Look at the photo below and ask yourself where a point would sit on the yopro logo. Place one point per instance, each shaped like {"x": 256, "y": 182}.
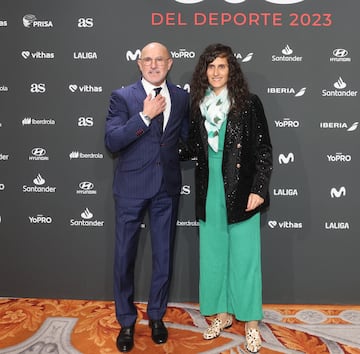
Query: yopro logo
{"x": 182, "y": 54}
{"x": 339, "y": 157}
{"x": 40, "y": 219}
{"x": 287, "y": 123}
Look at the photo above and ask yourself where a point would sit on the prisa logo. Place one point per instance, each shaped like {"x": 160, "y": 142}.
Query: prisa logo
{"x": 280, "y": 2}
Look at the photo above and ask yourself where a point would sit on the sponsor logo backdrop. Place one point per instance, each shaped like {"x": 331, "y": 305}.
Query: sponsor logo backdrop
{"x": 59, "y": 64}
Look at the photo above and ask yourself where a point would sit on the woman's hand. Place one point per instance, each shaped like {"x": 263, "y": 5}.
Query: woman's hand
{"x": 254, "y": 201}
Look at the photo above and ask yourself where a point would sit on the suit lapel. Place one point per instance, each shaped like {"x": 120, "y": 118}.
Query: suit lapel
{"x": 139, "y": 93}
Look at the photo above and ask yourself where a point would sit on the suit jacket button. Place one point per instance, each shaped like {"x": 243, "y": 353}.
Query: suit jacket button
{"x": 238, "y": 165}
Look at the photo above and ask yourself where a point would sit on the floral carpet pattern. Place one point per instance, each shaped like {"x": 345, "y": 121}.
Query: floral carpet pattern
{"x": 39, "y": 326}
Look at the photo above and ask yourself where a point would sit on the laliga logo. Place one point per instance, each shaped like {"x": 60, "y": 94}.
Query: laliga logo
{"x": 280, "y": 2}
{"x": 130, "y": 56}
{"x": 334, "y": 193}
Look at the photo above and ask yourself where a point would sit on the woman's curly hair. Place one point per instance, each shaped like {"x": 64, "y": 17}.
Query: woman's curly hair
{"x": 237, "y": 85}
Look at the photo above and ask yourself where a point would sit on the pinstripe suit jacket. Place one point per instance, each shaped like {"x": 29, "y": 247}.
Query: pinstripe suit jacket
{"x": 145, "y": 157}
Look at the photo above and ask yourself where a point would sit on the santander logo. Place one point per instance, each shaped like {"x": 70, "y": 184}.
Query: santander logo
{"x": 280, "y": 2}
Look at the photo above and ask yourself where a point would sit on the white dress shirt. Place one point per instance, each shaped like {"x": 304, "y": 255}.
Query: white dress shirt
{"x": 149, "y": 88}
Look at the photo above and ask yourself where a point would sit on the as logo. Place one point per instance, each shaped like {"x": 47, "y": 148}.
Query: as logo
{"x": 85, "y": 121}
{"x": 37, "y": 88}
{"x": 85, "y": 22}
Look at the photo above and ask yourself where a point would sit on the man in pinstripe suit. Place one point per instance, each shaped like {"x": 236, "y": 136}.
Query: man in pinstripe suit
{"x": 145, "y": 123}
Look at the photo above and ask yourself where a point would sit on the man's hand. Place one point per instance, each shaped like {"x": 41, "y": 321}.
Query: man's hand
{"x": 154, "y": 106}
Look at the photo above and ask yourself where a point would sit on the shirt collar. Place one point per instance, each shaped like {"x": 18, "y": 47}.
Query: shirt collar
{"x": 148, "y": 87}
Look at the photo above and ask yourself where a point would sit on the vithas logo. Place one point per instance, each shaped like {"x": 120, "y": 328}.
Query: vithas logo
{"x": 85, "y": 88}
{"x": 284, "y": 224}
{"x": 26, "y": 54}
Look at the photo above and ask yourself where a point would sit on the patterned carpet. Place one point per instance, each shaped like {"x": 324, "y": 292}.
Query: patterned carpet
{"x": 42, "y": 326}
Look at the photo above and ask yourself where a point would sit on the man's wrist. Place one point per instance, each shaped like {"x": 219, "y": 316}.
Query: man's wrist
{"x": 145, "y": 117}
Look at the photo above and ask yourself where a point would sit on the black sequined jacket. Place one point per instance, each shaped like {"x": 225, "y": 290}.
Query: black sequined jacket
{"x": 247, "y": 160}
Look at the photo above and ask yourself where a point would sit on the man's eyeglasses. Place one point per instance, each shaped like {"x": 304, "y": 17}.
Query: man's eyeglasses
{"x": 159, "y": 61}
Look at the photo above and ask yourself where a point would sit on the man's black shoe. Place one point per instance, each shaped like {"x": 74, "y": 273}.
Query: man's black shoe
{"x": 159, "y": 333}
{"x": 125, "y": 339}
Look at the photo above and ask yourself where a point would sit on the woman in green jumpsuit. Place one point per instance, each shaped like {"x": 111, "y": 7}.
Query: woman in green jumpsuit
{"x": 230, "y": 138}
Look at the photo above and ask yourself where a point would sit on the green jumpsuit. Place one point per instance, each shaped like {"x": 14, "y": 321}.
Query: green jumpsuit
{"x": 230, "y": 254}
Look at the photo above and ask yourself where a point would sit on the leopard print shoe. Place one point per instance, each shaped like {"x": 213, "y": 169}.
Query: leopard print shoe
{"x": 216, "y": 327}
{"x": 253, "y": 340}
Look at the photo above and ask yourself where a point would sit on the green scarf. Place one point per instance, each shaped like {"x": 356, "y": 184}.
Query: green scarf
{"x": 214, "y": 108}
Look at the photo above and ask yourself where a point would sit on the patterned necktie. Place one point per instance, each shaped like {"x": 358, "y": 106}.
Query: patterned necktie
{"x": 160, "y": 117}
{"x": 157, "y": 90}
